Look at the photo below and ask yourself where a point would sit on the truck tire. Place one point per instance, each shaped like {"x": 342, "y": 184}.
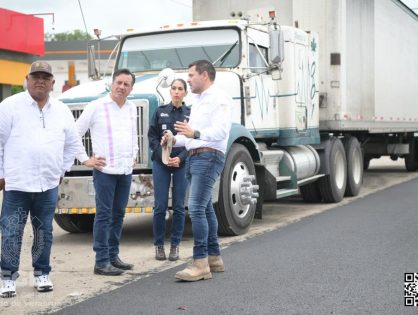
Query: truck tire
{"x": 354, "y": 156}
{"x": 234, "y": 217}
{"x": 75, "y": 223}
{"x": 332, "y": 186}
{"x": 310, "y": 192}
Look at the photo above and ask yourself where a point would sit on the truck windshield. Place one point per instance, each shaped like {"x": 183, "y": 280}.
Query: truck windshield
{"x": 177, "y": 50}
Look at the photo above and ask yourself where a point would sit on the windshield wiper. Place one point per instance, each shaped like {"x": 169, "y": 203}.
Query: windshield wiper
{"x": 222, "y": 57}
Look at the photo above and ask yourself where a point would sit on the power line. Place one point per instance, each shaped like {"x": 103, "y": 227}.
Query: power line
{"x": 82, "y": 15}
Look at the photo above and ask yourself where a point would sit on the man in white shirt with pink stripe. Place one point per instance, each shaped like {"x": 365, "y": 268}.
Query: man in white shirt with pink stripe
{"x": 112, "y": 121}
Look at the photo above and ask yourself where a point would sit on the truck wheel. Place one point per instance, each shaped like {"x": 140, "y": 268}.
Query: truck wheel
{"x": 332, "y": 186}
{"x": 75, "y": 223}
{"x": 354, "y": 158}
{"x": 234, "y": 213}
{"x": 311, "y": 192}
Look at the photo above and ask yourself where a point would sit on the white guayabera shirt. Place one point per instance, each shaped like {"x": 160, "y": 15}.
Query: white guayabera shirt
{"x": 36, "y": 146}
{"x": 113, "y": 130}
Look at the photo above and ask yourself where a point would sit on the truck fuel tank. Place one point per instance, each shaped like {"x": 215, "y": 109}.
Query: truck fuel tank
{"x": 303, "y": 160}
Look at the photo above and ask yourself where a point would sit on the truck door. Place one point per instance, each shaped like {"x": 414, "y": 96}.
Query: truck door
{"x": 260, "y": 111}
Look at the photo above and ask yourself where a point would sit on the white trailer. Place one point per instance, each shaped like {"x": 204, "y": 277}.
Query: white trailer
{"x": 368, "y": 66}
{"x": 307, "y": 111}
{"x": 368, "y": 72}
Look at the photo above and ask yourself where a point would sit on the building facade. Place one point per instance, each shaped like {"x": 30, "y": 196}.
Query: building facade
{"x": 21, "y": 42}
{"x": 68, "y": 60}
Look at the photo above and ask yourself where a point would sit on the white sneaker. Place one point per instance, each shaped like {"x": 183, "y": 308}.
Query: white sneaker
{"x": 8, "y": 289}
{"x": 43, "y": 284}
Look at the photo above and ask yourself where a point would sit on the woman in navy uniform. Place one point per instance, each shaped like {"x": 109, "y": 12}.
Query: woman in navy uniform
{"x": 163, "y": 120}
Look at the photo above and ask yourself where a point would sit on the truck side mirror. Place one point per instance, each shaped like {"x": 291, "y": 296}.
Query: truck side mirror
{"x": 276, "y": 46}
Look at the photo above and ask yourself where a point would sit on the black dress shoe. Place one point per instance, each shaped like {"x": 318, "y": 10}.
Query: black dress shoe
{"x": 107, "y": 270}
{"x": 120, "y": 264}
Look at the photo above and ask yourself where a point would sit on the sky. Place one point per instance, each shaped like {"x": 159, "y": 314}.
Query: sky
{"x": 111, "y": 17}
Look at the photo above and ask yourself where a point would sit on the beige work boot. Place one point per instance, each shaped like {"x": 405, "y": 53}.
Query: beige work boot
{"x": 198, "y": 270}
{"x": 216, "y": 264}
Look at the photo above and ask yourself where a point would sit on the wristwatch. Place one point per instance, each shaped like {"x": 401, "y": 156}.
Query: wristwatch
{"x": 196, "y": 134}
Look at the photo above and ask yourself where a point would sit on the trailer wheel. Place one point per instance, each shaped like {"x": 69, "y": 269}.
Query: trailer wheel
{"x": 235, "y": 215}
{"x": 75, "y": 223}
{"x": 354, "y": 158}
{"x": 310, "y": 192}
{"x": 332, "y": 186}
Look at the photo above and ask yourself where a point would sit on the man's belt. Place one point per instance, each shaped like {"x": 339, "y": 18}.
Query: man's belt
{"x": 201, "y": 150}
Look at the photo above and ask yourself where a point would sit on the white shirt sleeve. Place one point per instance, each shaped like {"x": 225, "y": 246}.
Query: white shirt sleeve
{"x": 180, "y": 141}
{"x": 6, "y": 119}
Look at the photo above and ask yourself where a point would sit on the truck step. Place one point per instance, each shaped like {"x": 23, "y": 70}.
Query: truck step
{"x": 283, "y": 178}
{"x": 309, "y": 179}
{"x": 281, "y": 193}
{"x": 271, "y": 160}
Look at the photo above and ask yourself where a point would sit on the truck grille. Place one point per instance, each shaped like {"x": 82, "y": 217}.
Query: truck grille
{"x": 142, "y": 126}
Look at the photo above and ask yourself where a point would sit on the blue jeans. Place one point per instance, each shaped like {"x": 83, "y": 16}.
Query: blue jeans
{"x": 202, "y": 171}
{"x": 15, "y": 211}
{"x": 112, "y": 193}
{"x": 162, "y": 177}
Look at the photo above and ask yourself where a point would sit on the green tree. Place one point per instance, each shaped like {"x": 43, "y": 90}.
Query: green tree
{"x": 68, "y": 36}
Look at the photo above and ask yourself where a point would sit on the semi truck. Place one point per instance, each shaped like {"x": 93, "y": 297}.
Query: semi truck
{"x": 313, "y": 101}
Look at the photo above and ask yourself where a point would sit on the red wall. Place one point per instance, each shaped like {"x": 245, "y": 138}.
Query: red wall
{"x": 21, "y": 32}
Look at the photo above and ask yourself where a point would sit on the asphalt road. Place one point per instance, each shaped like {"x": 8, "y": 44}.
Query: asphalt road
{"x": 72, "y": 257}
{"x": 348, "y": 260}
